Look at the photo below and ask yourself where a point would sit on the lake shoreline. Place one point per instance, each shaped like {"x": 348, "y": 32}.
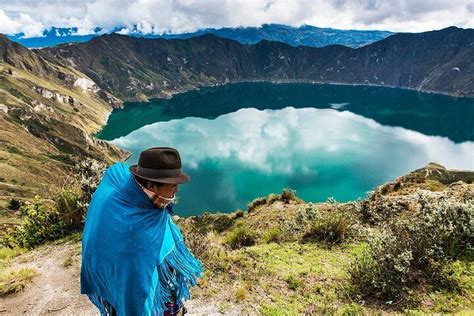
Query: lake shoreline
{"x": 171, "y": 94}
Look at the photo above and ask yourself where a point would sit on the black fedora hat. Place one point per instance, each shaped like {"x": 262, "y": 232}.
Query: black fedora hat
{"x": 160, "y": 164}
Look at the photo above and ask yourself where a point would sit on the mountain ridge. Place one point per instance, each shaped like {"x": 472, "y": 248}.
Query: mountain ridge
{"x": 304, "y": 35}
{"x": 138, "y": 69}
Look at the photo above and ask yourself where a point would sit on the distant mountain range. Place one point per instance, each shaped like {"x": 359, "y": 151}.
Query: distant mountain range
{"x": 306, "y": 35}
{"x": 138, "y": 68}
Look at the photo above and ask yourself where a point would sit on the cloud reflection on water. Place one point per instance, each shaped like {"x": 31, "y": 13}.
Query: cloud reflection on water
{"x": 319, "y": 152}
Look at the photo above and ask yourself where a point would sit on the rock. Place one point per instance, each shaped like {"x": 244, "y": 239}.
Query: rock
{"x": 45, "y": 93}
{"x": 89, "y": 141}
{"x": 4, "y": 108}
{"x": 68, "y": 78}
{"x": 38, "y": 107}
{"x": 86, "y": 84}
{"x": 56, "y": 96}
{"x": 456, "y": 183}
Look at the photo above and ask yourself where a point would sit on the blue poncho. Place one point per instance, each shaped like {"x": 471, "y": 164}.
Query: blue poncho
{"x": 133, "y": 254}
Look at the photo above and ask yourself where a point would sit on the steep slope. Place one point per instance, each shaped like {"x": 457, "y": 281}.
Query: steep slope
{"x": 138, "y": 68}
{"x": 46, "y": 113}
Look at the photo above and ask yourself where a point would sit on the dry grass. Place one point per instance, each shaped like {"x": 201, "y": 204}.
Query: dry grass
{"x": 16, "y": 280}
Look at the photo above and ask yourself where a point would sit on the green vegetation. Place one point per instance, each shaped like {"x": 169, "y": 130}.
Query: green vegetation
{"x": 409, "y": 252}
{"x": 42, "y": 222}
{"x": 45, "y": 220}
{"x": 415, "y": 248}
{"x": 7, "y": 254}
{"x": 286, "y": 196}
{"x": 273, "y": 234}
{"x": 330, "y": 228}
{"x": 67, "y": 262}
{"x": 241, "y": 236}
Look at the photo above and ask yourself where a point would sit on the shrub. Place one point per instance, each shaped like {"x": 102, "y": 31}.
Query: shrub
{"x": 289, "y": 195}
{"x": 67, "y": 262}
{"x": 414, "y": 247}
{"x": 15, "y": 280}
{"x": 50, "y": 221}
{"x": 239, "y": 214}
{"x": 256, "y": 202}
{"x": 272, "y": 198}
{"x": 222, "y": 222}
{"x": 375, "y": 211}
{"x": 198, "y": 243}
{"x": 42, "y": 222}
{"x": 67, "y": 206}
{"x": 89, "y": 173}
{"x": 378, "y": 274}
{"x": 292, "y": 229}
{"x": 241, "y": 293}
{"x": 240, "y": 236}
{"x": 286, "y": 196}
{"x": 14, "y": 204}
{"x": 272, "y": 235}
{"x": 293, "y": 282}
{"x": 331, "y": 228}
{"x": 218, "y": 222}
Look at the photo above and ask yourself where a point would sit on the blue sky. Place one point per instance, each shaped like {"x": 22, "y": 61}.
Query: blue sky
{"x": 32, "y": 17}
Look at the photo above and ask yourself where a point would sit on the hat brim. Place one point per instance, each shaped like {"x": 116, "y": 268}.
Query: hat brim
{"x": 179, "y": 179}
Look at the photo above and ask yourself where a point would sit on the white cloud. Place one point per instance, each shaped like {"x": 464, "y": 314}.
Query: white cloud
{"x": 188, "y": 15}
{"x": 23, "y": 23}
{"x": 286, "y": 140}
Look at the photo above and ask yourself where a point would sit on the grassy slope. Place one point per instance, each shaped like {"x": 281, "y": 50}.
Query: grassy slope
{"x": 290, "y": 277}
{"x": 39, "y": 146}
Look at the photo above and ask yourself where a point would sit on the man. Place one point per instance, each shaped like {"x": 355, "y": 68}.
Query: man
{"x": 134, "y": 260}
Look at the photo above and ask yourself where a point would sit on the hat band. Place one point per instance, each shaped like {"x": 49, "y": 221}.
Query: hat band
{"x": 158, "y": 173}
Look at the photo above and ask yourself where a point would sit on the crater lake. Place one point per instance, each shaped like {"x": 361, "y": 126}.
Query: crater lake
{"x": 241, "y": 141}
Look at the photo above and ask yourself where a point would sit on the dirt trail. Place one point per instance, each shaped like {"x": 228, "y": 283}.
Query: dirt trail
{"x": 55, "y": 290}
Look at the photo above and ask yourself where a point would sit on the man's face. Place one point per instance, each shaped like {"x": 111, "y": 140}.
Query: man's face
{"x": 163, "y": 192}
{"x": 166, "y": 190}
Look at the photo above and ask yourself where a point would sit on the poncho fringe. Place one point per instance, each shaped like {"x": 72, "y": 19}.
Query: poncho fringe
{"x": 170, "y": 280}
{"x": 178, "y": 279}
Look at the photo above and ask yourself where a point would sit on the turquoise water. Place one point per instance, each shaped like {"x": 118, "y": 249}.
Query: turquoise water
{"x": 242, "y": 141}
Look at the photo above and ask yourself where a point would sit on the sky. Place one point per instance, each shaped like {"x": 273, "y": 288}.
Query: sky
{"x": 32, "y": 17}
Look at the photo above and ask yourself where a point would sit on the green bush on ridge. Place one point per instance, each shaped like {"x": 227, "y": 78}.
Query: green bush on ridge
{"x": 414, "y": 248}
{"x": 241, "y": 236}
{"x": 286, "y": 196}
{"x": 330, "y": 228}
